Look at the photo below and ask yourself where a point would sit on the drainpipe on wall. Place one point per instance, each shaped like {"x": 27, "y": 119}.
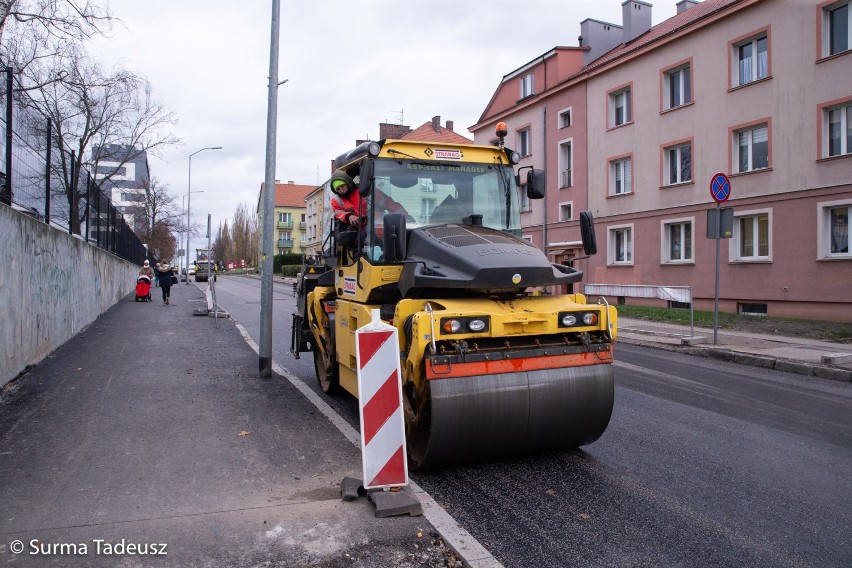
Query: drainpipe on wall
{"x": 544, "y": 148}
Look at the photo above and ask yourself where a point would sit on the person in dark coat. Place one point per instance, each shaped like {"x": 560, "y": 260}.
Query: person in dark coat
{"x": 165, "y": 272}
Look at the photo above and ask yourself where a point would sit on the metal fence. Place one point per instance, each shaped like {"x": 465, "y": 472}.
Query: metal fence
{"x": 29, "y": 181}
{"x": 673, "y": 297}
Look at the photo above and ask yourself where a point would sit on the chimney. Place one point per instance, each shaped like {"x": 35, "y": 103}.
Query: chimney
{"x": 600, "y": 37}
{"x": 685, "y": 5}
{"x": 450, "y": 125}
{"x": 436, "y": 123}
{"x": 636, "y": 18}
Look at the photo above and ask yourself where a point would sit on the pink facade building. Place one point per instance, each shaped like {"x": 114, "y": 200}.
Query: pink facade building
{"x": 635, "y": 122}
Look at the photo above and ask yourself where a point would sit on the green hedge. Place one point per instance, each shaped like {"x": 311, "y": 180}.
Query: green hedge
{"x": 290, "y": 269}
{"x": 280, "y": 260}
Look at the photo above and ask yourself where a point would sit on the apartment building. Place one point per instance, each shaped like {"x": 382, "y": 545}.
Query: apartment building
{"x": 124, "y": 175}
{"x": 758, "y": 90}
{"x": 290, "y": 216}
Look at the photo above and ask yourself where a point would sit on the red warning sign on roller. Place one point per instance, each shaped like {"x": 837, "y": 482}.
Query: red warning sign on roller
{"x": 380, "y": 400}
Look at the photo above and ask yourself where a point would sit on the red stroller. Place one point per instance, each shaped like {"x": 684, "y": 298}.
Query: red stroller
{"x": 143, "y": 288}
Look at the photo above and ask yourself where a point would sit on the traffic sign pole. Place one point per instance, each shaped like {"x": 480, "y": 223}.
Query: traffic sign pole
{"x": 720, "y": 190}
{"x": 716, "y": 293}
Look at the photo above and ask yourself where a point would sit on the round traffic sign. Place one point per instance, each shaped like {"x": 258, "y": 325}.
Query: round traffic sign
{"x": 720, "y": 187}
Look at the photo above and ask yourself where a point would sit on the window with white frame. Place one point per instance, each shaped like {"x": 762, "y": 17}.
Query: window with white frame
{"x": 566, "y": 211}
{"x": 677, "y": 163}
{"x": 751, "y": 58}
{"x": 565, "y": 118}
{"x": 751, "y": 148}
{"x": 620, "y": 107}
{"x": 833, "y": 228}
{"x": 751, "y": 238}
{"x": 283, "y": 217}
{"x": 620, "y": 244}
{"x": 677, "y": 240}
{"x": 524, "y": 142}
{"x": 836, "y": 28}
{"x": 677, "y": 87}
{"x": 526, "y": 85}
{"x": 566, "y": 159}
{"x": 620, "y": 177}
{"x": 837, "y": 130}
{"x": 525, "y": 199}
{"x": 427, "y": 205}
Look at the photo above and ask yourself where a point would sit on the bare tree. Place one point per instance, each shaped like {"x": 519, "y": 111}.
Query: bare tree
{"x": 33, "y": 31}
{"x": 91, "y": 109}
{"x": 240, "y": 241}
{"x": 157, "y": 215}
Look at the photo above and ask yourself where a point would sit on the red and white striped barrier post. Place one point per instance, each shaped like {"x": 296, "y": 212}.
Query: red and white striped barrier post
{"x": 380, "y": 401}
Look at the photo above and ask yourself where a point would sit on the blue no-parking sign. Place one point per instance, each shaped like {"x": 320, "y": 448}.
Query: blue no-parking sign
{"x": 720, "y": 187}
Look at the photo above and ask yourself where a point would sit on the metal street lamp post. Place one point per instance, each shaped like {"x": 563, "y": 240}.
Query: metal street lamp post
{"x": 185, "y": 229}
{"x": 188, "y": 200}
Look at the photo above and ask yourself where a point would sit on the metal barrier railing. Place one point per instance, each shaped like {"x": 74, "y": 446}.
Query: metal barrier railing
{"x": 673, "y": 297}
{"x": 31, "y": 182}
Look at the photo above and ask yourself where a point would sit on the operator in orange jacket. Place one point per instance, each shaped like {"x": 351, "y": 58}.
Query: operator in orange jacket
{"x": 348, "y": 205}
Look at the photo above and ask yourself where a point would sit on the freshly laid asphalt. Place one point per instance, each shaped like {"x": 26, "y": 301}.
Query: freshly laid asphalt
{"x": 152, "y": 428}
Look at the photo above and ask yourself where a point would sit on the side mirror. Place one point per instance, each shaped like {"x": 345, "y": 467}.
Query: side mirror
{"x": 365, "y": 177}
{"x": 393, "y": 244}
{"x": 587, "y": 233}
{"x": 535, "y": 184}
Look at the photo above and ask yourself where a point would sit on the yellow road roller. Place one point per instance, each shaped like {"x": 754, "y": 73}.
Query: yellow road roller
{"x": 494, "y": 362}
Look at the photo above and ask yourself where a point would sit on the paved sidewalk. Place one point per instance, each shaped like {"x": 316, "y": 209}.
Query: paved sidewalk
{"x": 823, "y": 359}
{"x": 152, "y": 427}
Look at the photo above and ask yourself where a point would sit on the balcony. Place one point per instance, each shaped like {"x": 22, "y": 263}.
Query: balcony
{"x": 285, "y": 243}
{"x": 285, "y": 225}
{"x": 302, "y": 225}
{"x": 566, "y": 179}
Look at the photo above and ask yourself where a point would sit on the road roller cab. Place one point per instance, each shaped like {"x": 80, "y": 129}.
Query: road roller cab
{"x": 494, "y": 363}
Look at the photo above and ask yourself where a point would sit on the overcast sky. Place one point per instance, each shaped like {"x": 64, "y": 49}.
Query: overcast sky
{"x": 350, "y": 64}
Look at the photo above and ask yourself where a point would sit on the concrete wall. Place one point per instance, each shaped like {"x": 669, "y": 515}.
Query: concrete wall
{"x": 52, "y": 285}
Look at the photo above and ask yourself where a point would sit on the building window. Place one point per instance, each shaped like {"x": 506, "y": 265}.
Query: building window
{"x": 837, "y": 130}
{"x": 566, "y": 211}
{"x": 283, "y": 217}
{"x": 677, "y": 164}
{"x": 677, "y": 241}
{"x": 525, "y": 200}
{"x": 427, "y": 205}
{"x": 836, "y": 28}
{"x": 833, "y": 228}
{"x": 751, "y": 148}
{"x": 565, "y": 118}
{"x": 752, "y": 59}
{"x": 677, "y": 87}
{"x": 524, "y": 146}
{"x": 526, "y": 85}
{"x": 751, "y": 239}
{"x": 566, "y": 159}
{"x": 620, "y": 177}
{"x": 620, "y": 107}
{"x": 620, "y": 245}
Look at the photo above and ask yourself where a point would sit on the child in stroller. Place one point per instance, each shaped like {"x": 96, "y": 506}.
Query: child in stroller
{"x": 143, "y": 288}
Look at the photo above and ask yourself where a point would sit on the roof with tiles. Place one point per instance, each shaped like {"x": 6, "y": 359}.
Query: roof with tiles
{"x": 674, "y": 24}
{"x": 429, "y": 133}
{"x": 289, "y": 194}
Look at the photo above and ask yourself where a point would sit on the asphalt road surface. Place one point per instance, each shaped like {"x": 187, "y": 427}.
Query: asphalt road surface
{"x": 704, "y": 463}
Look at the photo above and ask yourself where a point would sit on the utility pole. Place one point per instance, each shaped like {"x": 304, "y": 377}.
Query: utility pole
{"x": 266, "y": 264}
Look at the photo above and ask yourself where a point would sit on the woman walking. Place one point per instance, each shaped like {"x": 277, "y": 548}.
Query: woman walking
{"x": 166, "y": 274}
